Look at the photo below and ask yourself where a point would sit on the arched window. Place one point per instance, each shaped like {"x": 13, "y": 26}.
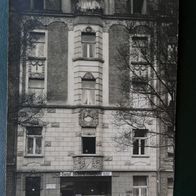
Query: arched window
{"x": 88, "y": 89}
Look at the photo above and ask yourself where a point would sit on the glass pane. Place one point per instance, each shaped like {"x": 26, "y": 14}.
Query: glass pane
{"x": 30, "y": 145}
{"x": 84, "y": 50}
{"x": 139, "y": 181}
{"x": 34, "y": 130}
{"x": 88, "y": 37}
{"x": 140, "y": 132}
{"x": 136, "y": 147}
{"x": 92, "y": 50}
{"x": 142, "y": 146}
{"x": 37, "y": 37}
{"x": 36, "y": 83}
{"x": 38, "y": 147}
{"x": 89, "y": 145}
{"x": 135, "y": 192}
{"x": 143, "y": 191}
{"x": 38, "y": 4}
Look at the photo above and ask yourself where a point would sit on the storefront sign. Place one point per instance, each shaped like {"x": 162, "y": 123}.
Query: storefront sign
{"x": 50, "y": 186}
{"x": 84, "y": 173}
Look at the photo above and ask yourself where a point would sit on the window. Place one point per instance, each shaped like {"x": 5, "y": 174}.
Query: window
{"x": 36, "y": 63}
{"x": 88, "y": 91}
{"x": 137, "y": 6}
{"x": 34, "y": 140}
{"x": 88, "y": 44}
{"x": 32, "y": 186}
{"x": 170, "y": 184}
{"x": 37, "y": 4}
{"x": 37, "y": 44}
{"x": 139, "y": 142}
{"x": 139, "y": 49}
{"x": 88, "y": 145}
{"x": 140, "y": 187}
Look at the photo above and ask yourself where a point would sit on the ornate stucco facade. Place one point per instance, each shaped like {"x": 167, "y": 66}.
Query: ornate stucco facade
{"x": 72, "y": 62}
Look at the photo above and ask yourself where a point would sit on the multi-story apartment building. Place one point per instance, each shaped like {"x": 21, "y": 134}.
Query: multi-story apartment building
{"x": 69, "y": 57}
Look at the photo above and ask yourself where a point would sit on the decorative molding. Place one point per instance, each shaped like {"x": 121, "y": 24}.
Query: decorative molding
{"x": 48, "y": 143}
{"x": 55, "y": 124}
{"x": 51, "y": 110}
{"x": 88, "y": 163}
{"x": 88, "y": 118}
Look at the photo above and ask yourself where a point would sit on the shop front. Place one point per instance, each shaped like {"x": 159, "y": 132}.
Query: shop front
{"x": 85, "y": 185}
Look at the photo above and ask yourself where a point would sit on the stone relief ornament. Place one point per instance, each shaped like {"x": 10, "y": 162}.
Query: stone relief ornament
{"x": 88, "y": 118}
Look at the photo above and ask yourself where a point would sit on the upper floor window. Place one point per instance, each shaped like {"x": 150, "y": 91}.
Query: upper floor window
{"x": 34, "y": 141}
{"x": 88, "y": 44}
{"x": 40, "y": 5}
{"x": 36, "y": 63}
{"x": 138, "y": 6}
{"x": 139, "y": 142}
{"x": 140, "y": 187}
{"x": 37, "y": 44}
{"x": 88, "y": 89}
{"x": 139, "y": 49}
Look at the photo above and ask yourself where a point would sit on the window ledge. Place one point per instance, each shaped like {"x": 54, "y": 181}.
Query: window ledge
{"x": 33, "y": 156}
{"x": 88, "y": 59}
{"x": 140, "y": 156}
{"x": 36, "y": 58}
{"x": 88, "y": 155}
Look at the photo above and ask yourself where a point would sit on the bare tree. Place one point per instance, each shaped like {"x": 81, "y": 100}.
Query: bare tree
{"x": 147, "y": 72}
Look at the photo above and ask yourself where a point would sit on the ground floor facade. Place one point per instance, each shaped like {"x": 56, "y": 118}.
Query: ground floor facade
{"x": 86, "y": 183}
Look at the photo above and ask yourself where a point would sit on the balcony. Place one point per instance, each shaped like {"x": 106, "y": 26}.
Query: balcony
{"x": 88, "y": 7}
{"x": 88, "y": 162}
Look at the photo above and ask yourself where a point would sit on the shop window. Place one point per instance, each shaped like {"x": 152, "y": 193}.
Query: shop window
{"x": 32, "y": 186}
{"x": 88, "y": 91}
{"x": 170, "y": 184}
{"x": 88, "y": 145}
{"x": 139, "y": 142}
{"x": 34, "y": 141}
{"x": 88, "y": 44}
{"x": 140, "y": 187}
{"x": 140, "y": 49}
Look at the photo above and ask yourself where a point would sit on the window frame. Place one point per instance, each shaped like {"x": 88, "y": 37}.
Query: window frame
{"x": 37, "y": 58}
{"x": 88, "y": 45}
{"x": 88, "y": 89}
{"x": 82, "y": 149}
{"x": 34, "y": 137}
{"x": 139, "y": 144}
{"x": 131, "y": 4}
{"x": 140, "y": 187}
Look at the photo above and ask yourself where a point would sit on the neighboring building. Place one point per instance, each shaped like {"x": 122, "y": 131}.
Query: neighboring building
{"x": 70, "y": 60}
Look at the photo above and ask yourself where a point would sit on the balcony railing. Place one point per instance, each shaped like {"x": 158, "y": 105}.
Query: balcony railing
{"x": 88, "y": 162}
{"x": 88, "y": 6}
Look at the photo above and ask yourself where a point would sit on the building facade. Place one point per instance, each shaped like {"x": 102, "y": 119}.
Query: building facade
{"x": 68, "y": 64}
